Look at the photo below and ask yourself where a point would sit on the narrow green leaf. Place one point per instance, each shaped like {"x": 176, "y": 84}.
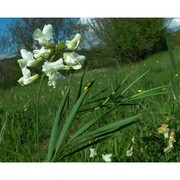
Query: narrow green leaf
{"x": 134, "y": 82}
{"x": 81, "y": 84}
{"x": 56, "y": 123}
{"x": 112, "y": 126}
{"x": 69, "y": 121}
{"x": 125, "y": 79}
{"x": 149, "y": 93}
{"x": 99, "y": 135}
{"x": 102, "y": 91}
{"x": 90, "y": 124}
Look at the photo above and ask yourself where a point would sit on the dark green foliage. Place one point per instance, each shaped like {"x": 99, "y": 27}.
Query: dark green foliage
{"x": 9, "y": 73}
{"x": 131, "y": 39}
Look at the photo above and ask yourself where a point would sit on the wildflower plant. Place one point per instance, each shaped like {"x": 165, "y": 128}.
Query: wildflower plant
{"x": 56, "y": 58}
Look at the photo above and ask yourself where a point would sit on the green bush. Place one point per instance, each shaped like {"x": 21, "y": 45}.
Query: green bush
{"x": 131, "y": 39}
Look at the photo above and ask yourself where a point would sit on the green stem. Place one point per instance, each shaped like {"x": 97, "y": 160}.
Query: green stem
{"x": 37, "y": 119}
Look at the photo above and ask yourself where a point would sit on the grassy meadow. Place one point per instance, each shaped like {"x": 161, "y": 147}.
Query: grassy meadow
{"x": 18, "y": 111}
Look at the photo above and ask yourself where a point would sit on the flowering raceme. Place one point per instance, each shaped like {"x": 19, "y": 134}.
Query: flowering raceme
{"x": 47, "y": 54}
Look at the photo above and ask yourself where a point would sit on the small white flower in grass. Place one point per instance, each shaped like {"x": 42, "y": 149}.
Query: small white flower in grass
{"x": 74, "y": 60}
{"x": 107, "y": 157}
{"x": 51, "y": 70}
{"x": 168, "y": 148}
{"x": 172, "y": 137}
{"x": 44, "y": 36}
{"x": 28, "y": 59}
{"x": 93, "y": 152}
{"x": 27, "y": 78}
{"x": 129, "y": 152}
{"x": 42, "y": 53}
{"x": 171, "y": 141}
{"x": 73, "y": 44}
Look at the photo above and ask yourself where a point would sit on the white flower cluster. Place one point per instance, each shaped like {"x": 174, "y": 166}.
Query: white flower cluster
{"x": 50, "y": 67}
{"x": 106, "y": 157}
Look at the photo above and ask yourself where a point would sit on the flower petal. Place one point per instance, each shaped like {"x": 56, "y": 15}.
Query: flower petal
{"x": 26, "y": 54}
{"x": 42, "y": 53}
{"x": 25, "y": 80}
{"x": 107, "y": 157}
{"x": 47, "y": 32}
{"x": 22, "y": 63}
{"x": 74, "y": 60}
{"x": 26, "y": 72}
{"x": 93, "y": 152}
{"x": 57, "y": 65}
{"x": 73, "y": 44}
{"x": 37, "y": 34}
{"x": 54, "y": 76}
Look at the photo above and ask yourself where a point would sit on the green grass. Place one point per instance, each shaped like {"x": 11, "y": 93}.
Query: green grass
{"x": 18, "y": 114}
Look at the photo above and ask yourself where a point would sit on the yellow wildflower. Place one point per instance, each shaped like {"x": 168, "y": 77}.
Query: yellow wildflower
{"x": 176, "y": 74}
{"x": 139, "y": 91}
{"x": 164, "y": 130}
{"x": 87, "y": 86}
{"x": 25, "y": 107}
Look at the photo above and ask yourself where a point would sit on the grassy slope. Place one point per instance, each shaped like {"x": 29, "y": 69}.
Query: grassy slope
{"x": 16, "y": 100}
{"x": 18, "y": 111}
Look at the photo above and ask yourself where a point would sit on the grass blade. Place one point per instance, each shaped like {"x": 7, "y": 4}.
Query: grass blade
{"x": 134, "y": 82}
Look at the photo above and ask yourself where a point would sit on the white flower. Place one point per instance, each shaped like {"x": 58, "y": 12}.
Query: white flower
{"x": 168, "y": 148}
{"x": 27, "y": 60}
{"x": 93, "y": 152}
{"x": 73, "y": 44}
{"x": 129, "y": 152}
{"x": 107, "y": 157}
{"x": 27, "y": 78}
{"x": 57, "y": 65}
{"x": 44, "y": 36}
{"x": 74, "y": 60}
{"x": 54, "y": 76}
{"x": 51, "y": 70}
{"x": 42, "y": 53}
{"x": 172, "y": 137}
